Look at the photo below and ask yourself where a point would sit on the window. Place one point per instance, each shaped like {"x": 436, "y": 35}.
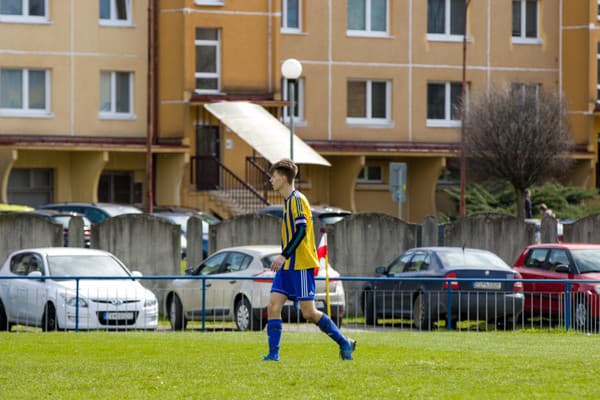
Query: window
{"x": 24, "y": 11}
{"x": 443, "y": 104}
{"x": 398, "y": 265}
{"x": 369, "y": 174}
{"x": 525, "y": 21}
{"x": 116, "y": 95}
{"x": 115, "y": 12}
{"x": 525, "y": 91}
{"x": 298, "y": 98}
{"x": 24, "y": 92}
{"x": 290, "y": 15}
{"x": 598, "y": 12}
{"x": 368, "y": 17}
{"x": 209, "y": 2}
{"x": 445, "y": 19}
{"x": 208, "y": 60}
{"x": 368, "y": 101}
{"x": 116, "y": 187}
{"x": 30, "y": 186}
{"x": 536, "y": 258}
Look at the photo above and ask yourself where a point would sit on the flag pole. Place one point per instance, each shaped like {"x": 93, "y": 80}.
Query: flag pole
{"x": 324, "y": 251}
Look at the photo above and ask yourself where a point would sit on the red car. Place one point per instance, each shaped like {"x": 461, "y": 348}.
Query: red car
{"x": 571, "y": 261}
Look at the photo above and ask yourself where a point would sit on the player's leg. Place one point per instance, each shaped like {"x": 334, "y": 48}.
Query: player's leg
{"x": 274, "y": 325}
{"x": 305, "y": 286}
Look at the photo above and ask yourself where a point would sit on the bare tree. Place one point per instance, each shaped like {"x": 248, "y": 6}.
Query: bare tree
{"x": 520, "y": 135}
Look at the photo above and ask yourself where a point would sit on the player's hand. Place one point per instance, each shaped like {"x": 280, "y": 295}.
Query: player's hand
{"x": 277, "y": 263}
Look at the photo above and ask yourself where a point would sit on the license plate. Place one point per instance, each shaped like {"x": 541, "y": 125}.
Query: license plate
{"x": 487, "y": 285}
{"x": 118, "y": 315}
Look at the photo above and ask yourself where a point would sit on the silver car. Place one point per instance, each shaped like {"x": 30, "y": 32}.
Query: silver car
{"x": 241, "y": 300}
{"x": 38, "y": 289}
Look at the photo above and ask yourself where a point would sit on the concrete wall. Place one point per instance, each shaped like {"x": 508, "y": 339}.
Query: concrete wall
{"x": 21, "y": 231}
{"x": 502, "y": 234}
{"x": 243, "y": 230}
{"x": 585, "y": 230}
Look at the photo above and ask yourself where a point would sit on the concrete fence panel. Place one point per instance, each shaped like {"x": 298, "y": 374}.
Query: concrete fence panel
{"x": 501, "y": 234}
{"x": 585, "y": 230}
{"x": 76, "y": 236}
{"x": 22, "y": 230}
{"x": 194, "y": 236}
{"x": 244, "y": 230}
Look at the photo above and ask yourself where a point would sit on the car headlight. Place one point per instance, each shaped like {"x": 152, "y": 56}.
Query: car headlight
{"x": 150, "y": 302}
{"x": 71, "y": 300}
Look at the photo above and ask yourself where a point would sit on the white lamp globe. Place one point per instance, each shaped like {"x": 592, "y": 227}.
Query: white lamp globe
{"x": 291, "y": 68}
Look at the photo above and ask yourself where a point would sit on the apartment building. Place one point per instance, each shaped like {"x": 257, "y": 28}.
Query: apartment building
{"x": 73, "y": 102}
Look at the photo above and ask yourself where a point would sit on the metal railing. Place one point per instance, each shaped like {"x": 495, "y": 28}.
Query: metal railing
{"x": 233, "y": 189}
{"x": 257, "y": 175}
{"x": 570, "y": 309}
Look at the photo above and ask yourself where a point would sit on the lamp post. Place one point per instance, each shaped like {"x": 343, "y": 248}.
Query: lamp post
{"x": 463, "y": 167}
{"x": 291, "y": 70}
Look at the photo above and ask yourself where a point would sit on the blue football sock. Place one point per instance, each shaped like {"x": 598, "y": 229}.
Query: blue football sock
{"x": 274, "y": 328}
{"x": 331, "y": 329}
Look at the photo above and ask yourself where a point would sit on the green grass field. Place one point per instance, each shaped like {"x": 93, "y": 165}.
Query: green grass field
{"x": 227, "y": 365}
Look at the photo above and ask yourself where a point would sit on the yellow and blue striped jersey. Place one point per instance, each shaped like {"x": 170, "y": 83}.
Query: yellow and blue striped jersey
{"x": 296, "y": 212}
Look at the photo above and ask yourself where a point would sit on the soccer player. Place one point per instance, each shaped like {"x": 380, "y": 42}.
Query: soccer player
{"x": 294, "y": 267}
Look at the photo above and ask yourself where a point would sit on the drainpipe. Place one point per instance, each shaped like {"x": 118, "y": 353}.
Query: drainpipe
{"x": 151, "y": 105}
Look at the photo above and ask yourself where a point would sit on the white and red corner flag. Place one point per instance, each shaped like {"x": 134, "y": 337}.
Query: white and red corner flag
{"x": 322, "y": 253}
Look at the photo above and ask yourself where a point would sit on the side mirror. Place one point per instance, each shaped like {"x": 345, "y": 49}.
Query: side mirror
{"x": 562, "y": 268}
{"x": 35, "y": 274}
{"x": 380, "y": 270}
{"x": 189, "y": 271}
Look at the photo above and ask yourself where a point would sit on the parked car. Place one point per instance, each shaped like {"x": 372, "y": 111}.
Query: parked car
{"x": 181, "y": 218}
{"x": 48, "y": 299}
{"x": 325, "y": 215}
{"x": 425, "y": 302}
{"x": 95, "y": 212}
{"x": 567, "y": 261}
{"x": 244, "y": 301}
{"x": 10, "y": 208}
{"x": 63, "y": 218}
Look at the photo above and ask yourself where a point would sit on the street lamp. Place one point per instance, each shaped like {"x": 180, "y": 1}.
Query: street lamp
{"x": 291, "y": 70}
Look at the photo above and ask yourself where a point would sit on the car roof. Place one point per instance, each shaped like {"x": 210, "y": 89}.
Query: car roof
{"x": 277, "y": 209}
{"x": 573, "y": 246}
{"x": 59, "y": 251}
{"x": 258, "y": 250}
{"x": 96, "y": 205}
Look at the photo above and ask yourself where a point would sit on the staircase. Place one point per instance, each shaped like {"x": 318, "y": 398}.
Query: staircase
{"x": 235, "y": 195}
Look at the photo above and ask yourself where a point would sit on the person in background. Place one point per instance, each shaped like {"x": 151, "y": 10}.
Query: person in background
{"x": 528, "y": 210}
{"x": 544, "y": 210}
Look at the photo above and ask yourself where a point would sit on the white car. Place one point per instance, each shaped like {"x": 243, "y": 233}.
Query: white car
{"x": 242, "y": 300}
{"x": 40, "y": 291}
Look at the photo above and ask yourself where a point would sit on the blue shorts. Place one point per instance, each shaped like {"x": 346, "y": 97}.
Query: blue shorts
{"x": 296, "y": 285}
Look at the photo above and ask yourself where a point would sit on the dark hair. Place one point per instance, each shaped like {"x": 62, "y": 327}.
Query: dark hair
{"x": 285, "y": 167}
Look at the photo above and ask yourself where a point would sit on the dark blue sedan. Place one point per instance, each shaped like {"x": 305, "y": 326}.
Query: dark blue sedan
{"x": 425, "y": 301}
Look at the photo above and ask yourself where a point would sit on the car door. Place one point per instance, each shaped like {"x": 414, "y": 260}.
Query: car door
{"x": 225, "y": 289}
{"x": 14, "y": 289}
{"x": 552, "y": 293}
{"x": 417, "y": 266}
{"x": 190, "y": 291}
{"x": 27, "y": 294}
{"x": 389, "y": 295}
{"x": 535, "y": 267}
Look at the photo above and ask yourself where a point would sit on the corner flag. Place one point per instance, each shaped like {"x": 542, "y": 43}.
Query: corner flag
{"x": 324, "y": 263}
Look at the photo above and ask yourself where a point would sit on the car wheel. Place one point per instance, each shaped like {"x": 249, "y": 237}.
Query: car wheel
{"x": 369, "y": 308}
{"x": 4, "y": 324}
{"x": 245, "y": 317}
{"x": 49, "y": 322}
{"x": 422, "y": 312}
{"x": 176, "y": 318}
{"x": 580, "y": 316}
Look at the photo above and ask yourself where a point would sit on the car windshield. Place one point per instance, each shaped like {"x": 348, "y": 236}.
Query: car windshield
{"x": 118, "y": 210}
{"x": 587, "y": 260}
{"x": 268, "y": 260}
{"x": 85, "y": 265}
{"x": 470, "y": 259}
{"x": 64, "y": 220}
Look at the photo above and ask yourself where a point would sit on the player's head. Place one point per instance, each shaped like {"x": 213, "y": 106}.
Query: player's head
{"x": 287, "y": 168}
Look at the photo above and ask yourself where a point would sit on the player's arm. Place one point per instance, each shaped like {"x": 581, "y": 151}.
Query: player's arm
{"x": 296, "y": 239}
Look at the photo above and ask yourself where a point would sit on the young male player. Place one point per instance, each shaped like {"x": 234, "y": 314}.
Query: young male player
{"x": 294, "y": 267}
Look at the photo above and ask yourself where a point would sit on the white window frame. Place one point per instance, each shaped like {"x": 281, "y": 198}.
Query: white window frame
{"x": 25, "y": 111}
{"x": 298, "y": 99}
{"x": 284, "y": 27}
{"x": 209, "y": 2}
{"x": 368, "y": 119}
{"x": 217, "y": 74}
{"x": 365, "y": 174}
{"x": 523, "y": 86}
{"x": 522, "y": 39}
{"x": 447, "y": 36}
{"x": 26, "y": 18}
{"x": 447, "y": 121}
{"x": 113, "y": 21}
{"x": 367, "y": 31}
{"x": 113, "y": 114}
